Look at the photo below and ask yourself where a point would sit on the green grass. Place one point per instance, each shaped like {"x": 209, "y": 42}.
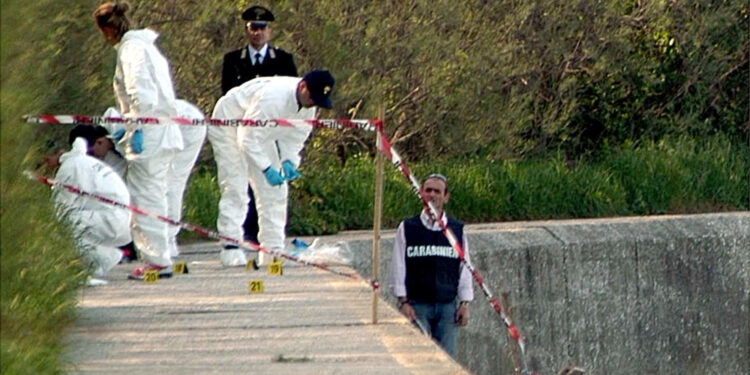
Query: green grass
{"x": 39, "y": 266}
{"x": 673, "y": 176}
{"x": 201, "y": 201}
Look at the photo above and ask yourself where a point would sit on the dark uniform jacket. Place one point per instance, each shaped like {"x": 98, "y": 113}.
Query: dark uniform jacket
{"x": 238, "y": 66}
{"x": 432, "y": 265}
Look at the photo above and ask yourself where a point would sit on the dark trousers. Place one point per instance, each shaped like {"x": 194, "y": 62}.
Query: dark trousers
{"x": 251, "y": 221}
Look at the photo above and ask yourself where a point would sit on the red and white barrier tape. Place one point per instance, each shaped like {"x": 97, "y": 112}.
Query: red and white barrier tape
{"x": 396, "y": 160}
{"x": 366, "y": 125}
{"x": 249, "y": 245}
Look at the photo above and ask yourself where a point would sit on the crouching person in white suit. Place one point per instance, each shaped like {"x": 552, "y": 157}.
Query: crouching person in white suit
{"x": 99, "y": 228}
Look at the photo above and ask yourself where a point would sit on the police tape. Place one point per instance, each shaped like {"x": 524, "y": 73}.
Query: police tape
{"x": 248, "y": 245}
{"x": 399, "y": 163}
{"x": 366, "y": 125}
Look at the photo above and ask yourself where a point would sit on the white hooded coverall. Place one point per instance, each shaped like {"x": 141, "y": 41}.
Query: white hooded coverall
{"x": 269, "y": 98}
{"x": 192, "y": 140}
{"x": 143, "y": 87}
{"x": 99, "y": 227}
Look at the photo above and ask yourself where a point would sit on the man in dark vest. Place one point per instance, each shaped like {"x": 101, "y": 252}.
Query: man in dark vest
{"x": 257, "y": 59}
{"x": 431, "y": 284}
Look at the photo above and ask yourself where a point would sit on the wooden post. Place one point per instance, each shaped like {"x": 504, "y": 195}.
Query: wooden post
{"x": 511, "y": 342}
{"x": 378, "y": 213}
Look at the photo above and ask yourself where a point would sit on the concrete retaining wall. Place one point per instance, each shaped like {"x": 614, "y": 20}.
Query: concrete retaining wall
{"x": 647, "y": 295}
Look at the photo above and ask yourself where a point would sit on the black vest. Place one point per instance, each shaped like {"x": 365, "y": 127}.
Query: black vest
{"x": 432, "y": 266}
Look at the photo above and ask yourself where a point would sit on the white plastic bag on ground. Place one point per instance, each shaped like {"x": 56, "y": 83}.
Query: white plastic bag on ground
{"x": 337, "y": 253}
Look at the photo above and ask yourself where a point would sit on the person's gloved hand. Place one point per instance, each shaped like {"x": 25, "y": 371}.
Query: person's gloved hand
{"x": 118, "y": 134}
{"x": 137, "y": 141}
{"x": 273, "y": 176}
{"x": 290, "y": 173}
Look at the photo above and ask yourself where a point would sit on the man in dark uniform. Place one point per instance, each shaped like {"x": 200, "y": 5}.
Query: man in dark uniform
{"x": 257, "y": 59}
{"x": 431, "y": 284}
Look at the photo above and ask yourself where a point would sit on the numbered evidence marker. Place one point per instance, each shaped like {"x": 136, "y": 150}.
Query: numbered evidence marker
{"x": 180, "y": 268}
{"x": 275, "y": 268}
{"x": 255, "y": 286}
{"x": 151, "y": 276}
{"x": 252, "y": 265}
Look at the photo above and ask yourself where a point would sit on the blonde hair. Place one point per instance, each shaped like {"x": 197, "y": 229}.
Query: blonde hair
{"x": 112, "y": 15}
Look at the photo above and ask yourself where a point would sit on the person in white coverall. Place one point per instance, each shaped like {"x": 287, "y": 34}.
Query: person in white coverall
{"x": 99, "y": 227}
{"x": 143, "y": 87}
{"x": 192, "y": 140}
{"x": 272, "y": 152}
{"x": 101, "y": 147}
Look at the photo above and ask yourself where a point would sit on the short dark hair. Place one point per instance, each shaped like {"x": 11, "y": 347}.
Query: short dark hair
{"x": 88, "y": 132}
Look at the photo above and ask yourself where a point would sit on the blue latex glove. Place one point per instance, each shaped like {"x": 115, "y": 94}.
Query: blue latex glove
{"x": 299, "y": 247}
{"x": 299, "y": 243}
{"x": 137, "y": 141}
{"x": 118, "y": 134}
{"x": 273, "y": 176}
{"x": 290, "y": 173}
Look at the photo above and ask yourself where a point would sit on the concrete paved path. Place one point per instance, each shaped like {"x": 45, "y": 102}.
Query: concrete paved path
{"x": 307, "y": 321}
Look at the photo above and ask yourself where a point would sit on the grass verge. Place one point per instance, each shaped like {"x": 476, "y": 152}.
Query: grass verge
{"x": 681, "y": 175}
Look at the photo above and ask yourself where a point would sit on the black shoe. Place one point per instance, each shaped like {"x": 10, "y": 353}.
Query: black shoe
{"x": 128, "y": 253}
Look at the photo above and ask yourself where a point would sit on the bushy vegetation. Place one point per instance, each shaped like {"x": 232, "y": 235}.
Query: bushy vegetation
{"x": 535, "y": 109}
{"x": 501, "y": 80}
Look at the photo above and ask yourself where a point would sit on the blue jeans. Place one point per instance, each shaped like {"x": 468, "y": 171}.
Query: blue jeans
{"x": 439, "y": 319}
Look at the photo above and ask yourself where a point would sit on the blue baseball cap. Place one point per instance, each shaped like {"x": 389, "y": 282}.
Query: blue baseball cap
{"x": 320, "y": 84}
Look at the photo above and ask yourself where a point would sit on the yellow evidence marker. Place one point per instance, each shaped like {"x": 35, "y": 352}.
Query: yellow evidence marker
{"x": 151, "y": 276}
{"x": 275, "y": 268}
{"x": 180, "y": 268}
{"x": 255, "y": 286}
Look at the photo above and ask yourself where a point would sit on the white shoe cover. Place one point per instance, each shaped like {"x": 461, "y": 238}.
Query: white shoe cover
{"x": 233, "y": 258}
{"x": 264, "y": 259}
{"x": 96, "y": 282}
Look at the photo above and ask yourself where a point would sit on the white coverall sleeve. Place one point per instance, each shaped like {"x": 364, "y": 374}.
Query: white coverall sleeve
{"x": 292, "y": 142}
{"x": 398, "y": 266}
{"x": 465, "y": 285}
{"x": 289, "y": 140}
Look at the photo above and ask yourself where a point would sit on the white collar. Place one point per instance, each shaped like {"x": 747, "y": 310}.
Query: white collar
{"x": 426, "y": 219}
{"x": 263, "y": 50}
